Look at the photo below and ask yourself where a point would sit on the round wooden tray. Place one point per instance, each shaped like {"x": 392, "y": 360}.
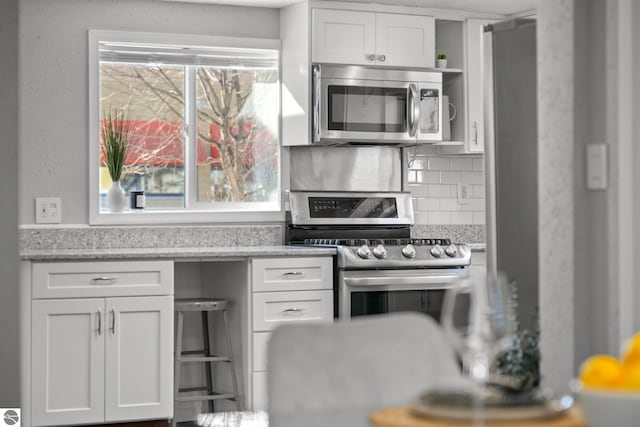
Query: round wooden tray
{"x": 400, "y": 416}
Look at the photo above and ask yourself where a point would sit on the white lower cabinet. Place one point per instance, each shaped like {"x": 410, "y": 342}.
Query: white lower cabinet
{"x": 101, "y": 359}
{"x": 285, "y": 290}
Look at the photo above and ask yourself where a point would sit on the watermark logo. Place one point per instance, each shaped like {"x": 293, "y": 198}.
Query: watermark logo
{"x": 10, "y": 417}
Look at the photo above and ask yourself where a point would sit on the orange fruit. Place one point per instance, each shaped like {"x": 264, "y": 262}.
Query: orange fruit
{"x": 631, "y": 350}
{"x": 601, "y": 371}
{"x": 630, "y": 377}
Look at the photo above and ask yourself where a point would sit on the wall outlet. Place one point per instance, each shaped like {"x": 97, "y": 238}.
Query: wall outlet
{"x": 464, "y": 193}
{"x": 48, "y": 210}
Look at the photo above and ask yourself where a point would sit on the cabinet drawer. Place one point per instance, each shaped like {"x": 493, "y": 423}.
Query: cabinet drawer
{"x": 260, "y": 343}
{"x": 101, "y": 279}
{"x": 292, "y": 274}
{"x": 273, "y": 308}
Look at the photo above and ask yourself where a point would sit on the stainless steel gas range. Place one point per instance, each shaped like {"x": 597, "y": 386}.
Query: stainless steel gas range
{"x": 379, "y": 267}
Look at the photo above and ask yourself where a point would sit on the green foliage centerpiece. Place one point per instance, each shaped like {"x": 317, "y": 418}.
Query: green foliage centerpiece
{"x": 116, "y": 137}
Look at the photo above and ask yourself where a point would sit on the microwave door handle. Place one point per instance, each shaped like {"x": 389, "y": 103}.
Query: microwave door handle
{"x": 316, "y": 102}
{"x": 412, "y": 110}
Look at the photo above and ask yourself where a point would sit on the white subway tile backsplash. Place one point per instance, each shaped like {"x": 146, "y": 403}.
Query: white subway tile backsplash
{"x": 439, "y": 218}
{"x": 462, "y": 164}
{"x": 450, "y": 204}
{"x": 433, "y": 182}
{"x": 474, "y": 205}
{"x": 419, "y": 190}
{"x": 477, "y": 191}
{"x": 427, "y": 204}
{"x": 439, "y": 163}
{"x": 479, "y": 217}
{"x": 431, "y": 177}
{"x": 421, "y": 218}
{"x": 472, "y": 177}
{"x": 462, "y": 217}
{"x": 441, "y": 190}
{"x": 450, "y": 177}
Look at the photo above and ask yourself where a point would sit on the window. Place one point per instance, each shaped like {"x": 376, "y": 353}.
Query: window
{"x": 204, "y": 115}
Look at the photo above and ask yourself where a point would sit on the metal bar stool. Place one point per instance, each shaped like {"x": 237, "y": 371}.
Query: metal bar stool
{"x": 203, "y": 305}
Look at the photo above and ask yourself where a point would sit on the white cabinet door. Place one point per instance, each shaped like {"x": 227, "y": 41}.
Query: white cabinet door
{"x": 343, "y": 37}
{"x": 67, "y": 347}
{"x": 475, "y": 95}
{"x": 139, "y": 379}
{"x": 405, "y": 40}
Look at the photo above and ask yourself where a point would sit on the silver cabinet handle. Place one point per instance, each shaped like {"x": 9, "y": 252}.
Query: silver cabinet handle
{"x": 382, "y": 58}
{"x": 113, "y": 320}
{"x": 475, "y": 132}
{"x": 293, "y": 274}
{"x": 99, "y": 321}
{"x": 293, "y": 310}
{"x": 412, "y": 110}
{"x": 104, "y": 280}
{"x": 316, "y": 99}
{"x": 371, "y": 57}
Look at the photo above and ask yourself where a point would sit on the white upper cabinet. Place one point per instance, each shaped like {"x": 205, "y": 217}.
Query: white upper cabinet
{"x": 343, "y": 37}
{"x": 406, "y": 40}
{"x": 369, "y": 38}
{"x": 475, "y": 85}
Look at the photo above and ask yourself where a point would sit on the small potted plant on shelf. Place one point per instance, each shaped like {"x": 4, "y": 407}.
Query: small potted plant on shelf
{"x": 115, "y": 140}
{"x": 441, "y": 60}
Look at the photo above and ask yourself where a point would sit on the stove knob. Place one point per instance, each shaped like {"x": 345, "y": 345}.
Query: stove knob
{"x": 364, "y": 252}
{"x": 451, "y": 250}
{"x": 409, "y": 251}
{"x": 380, "y": 251}
{"x": 437, "y": 251}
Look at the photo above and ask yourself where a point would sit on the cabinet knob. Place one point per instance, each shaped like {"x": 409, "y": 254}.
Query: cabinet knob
{"x": 382, "y": 58}
{"x": 371, "y": 57}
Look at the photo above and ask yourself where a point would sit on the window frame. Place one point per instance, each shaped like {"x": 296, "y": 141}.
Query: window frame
{"x": 231, "y": 213}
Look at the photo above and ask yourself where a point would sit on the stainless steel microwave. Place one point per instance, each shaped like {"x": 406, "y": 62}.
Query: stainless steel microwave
{"x": 356, "y": 104}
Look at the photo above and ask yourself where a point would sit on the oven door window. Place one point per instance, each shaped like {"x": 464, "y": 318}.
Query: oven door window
{"x": 425, "y": 301}
{"x": 367, "y": 108}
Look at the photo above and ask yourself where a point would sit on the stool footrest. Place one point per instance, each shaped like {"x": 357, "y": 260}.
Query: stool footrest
{"x": 190, "y": 389}
{"x": 228, "y": 396}
{"x": 204, "y": 359}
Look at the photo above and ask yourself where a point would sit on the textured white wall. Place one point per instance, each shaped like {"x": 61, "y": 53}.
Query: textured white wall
{"x": 555, "y": 190}
{"x": 577, "y": 290}
{"x": 54, "y": 81}
{"x": 9, "y": 296}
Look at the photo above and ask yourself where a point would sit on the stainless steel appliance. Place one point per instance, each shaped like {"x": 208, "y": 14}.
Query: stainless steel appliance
{"x": 355, "y": 104}
{"x": 379, "y": 268}
{"x": 511, "y": 158}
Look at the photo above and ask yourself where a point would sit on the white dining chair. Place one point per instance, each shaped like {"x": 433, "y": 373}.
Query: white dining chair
{"x": 337, "y": 374}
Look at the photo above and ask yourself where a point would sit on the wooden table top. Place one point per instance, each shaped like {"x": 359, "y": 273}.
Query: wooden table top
{"x": 400, "y": 416}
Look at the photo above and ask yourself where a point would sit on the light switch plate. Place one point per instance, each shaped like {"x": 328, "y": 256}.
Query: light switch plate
{"x": 597, "y": 167}
{"x": 464, "y": 193}
{"x": 48, "y": 210}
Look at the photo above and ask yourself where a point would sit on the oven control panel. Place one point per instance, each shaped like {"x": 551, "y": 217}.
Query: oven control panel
{"x": 402, "y": 253}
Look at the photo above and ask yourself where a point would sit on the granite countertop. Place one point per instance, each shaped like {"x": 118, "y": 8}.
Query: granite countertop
{"x": 181, "y": 243}
{"x": 184, "y": 243}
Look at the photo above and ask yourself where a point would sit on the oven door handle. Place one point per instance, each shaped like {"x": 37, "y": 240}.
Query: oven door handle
{"x": 427, "y": 282}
